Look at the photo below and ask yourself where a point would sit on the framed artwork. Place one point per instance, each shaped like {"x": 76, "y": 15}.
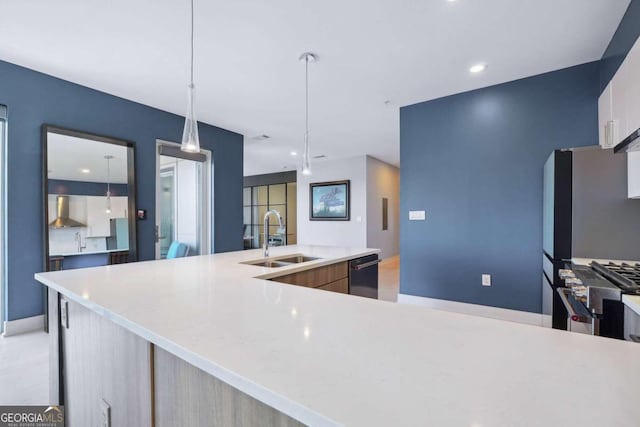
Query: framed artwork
{"x": 329, "y": 201}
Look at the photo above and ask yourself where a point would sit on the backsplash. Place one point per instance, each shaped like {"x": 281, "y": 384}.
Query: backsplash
{"x": 63, "y": 241}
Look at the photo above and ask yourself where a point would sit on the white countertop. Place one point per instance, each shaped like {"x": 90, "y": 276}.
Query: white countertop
{"x": 104, "y": 251}
{"x": 331, "y": 359}
{"x": 633, "y": 302}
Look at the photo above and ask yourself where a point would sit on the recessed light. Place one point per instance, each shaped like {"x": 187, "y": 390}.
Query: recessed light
{"x": 85, "y": 170}
{"x": 451, "y": 1}
{"x": 478, "y": 68}
{"x": 294, "y": 153}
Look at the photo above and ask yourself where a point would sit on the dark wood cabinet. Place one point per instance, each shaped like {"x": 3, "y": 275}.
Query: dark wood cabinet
{"x": 334, "y": 278}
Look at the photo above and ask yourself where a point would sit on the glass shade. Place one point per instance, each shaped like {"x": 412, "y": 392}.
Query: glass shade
{"x": 306, "y": 161}
{"x": 190, "y": 138}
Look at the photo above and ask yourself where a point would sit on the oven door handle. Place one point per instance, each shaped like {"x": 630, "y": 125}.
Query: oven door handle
{"x": 564, "y": 292}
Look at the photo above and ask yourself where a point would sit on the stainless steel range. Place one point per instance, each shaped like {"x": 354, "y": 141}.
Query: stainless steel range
{"x": 593, "y": 295}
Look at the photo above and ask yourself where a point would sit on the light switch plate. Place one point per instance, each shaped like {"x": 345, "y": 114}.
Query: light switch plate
{"x": 486, "y": 280}
{"x": 417, "y": 215}
{"x": 105, "y": 414}
{"x": 64, "y": 313}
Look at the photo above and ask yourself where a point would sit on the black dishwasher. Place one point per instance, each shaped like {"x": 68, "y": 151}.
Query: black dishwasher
{"x": 363, "y": 276}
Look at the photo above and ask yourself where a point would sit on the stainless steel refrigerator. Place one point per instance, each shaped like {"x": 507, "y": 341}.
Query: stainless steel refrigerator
{"x": 586, "y": 214}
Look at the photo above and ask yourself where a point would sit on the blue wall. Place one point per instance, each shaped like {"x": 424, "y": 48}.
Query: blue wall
{"x": 83, "y": 188}
{"x": 474, "y": 161}
{"x": 621, "y": 43}
{"x": 32, "y": 99}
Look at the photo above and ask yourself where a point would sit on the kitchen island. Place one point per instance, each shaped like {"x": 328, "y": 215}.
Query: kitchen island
{"x": 210, "y": 338}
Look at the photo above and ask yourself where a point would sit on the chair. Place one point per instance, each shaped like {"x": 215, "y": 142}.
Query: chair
{"x": 121, "y": 257}
{"x": 177, "y": 250}
{"x": 278, "y": 239}
{"x": 247, "y": 237}
{"x": 55, "y": 263}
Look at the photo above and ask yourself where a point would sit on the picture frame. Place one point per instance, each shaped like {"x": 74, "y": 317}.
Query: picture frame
{"x": 330, "y": 201}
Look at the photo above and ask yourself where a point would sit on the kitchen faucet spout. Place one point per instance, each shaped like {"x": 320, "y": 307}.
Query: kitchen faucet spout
{"x": 265, "y": 243}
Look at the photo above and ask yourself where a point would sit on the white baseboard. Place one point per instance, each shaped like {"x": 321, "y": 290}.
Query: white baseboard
{"x": 476, "y": 310}
{"x": 21, "y": 326}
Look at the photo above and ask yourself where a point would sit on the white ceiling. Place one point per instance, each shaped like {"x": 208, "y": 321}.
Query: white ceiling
{"x": 249, "y": 80}
{"x": 69, "y": 158}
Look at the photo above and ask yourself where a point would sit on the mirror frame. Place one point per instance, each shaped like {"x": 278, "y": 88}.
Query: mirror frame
{"x": 131, "y": 183}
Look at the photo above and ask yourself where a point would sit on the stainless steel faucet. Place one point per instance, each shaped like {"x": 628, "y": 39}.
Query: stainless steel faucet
{"x": 78, "y": 239}
{"x": 265, "y": 244}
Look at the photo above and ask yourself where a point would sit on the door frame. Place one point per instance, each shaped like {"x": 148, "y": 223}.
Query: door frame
{"x": 205, "y": 197}
{"x": 4, "y": 137}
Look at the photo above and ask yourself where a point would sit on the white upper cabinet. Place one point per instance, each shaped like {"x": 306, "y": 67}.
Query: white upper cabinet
{"x": 620, "y": 100}
{"x": 633, "y": 174}
{"x": 606, "y": 125}
{"x": 619, "y": 104}
{"x": 98, "y": 224}
{"x": 98, "y": 220}
{"x": 632, "y": 105}
{"x": 119, "y": 207}
{"x": 619, "y": 114}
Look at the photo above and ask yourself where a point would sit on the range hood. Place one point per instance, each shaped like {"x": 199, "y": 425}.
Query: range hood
{"x": 63, "y": 220}
{"x": 630, "y": 143}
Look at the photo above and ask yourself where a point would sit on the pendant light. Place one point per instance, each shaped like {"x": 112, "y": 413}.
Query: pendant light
{"x": 306, "y": 160}
{"x": 108, "y": 210}
{"x": 190, "y": 138}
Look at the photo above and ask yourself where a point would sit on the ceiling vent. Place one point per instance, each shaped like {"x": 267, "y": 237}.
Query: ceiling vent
{"x": 262, "y": 137}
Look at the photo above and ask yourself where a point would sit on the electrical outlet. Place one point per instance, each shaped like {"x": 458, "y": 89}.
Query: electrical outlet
{"x": 486, "y": 280}
{"x": 105, "y": 414}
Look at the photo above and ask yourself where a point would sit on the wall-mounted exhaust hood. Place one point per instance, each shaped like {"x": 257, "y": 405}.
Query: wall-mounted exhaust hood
{"x": 630, "y": 143}
{"x": 63, "y": 220}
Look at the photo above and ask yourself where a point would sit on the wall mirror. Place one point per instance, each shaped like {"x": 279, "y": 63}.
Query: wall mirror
{"x": 89, "y": 200}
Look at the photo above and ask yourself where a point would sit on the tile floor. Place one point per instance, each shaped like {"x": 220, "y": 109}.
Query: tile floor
{"x": 24, "y": 369}
{"x": 24, "y": 359}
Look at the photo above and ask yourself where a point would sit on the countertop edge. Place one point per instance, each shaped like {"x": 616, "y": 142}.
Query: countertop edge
{"x": 106, "y": 251}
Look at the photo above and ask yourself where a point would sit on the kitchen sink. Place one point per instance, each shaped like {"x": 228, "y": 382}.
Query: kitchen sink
{"x": 281, "y": 261}
{"x": 269, "y": 264}
{"x": 296, "y": 259}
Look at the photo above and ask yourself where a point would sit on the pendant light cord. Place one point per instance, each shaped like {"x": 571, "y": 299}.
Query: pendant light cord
{"x": 108, "y": 177}
{"x": 191, "y": 80}
{"x": 306, "y": 85}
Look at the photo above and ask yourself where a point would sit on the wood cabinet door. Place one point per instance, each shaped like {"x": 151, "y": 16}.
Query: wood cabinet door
{"x": 317, "y": 276}
{"x": 104, "y": 362}
{"x": 340, "y": 286}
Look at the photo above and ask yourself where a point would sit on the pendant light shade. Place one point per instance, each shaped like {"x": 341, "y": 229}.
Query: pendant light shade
{"x": 306, "y": 156}
{"x": 306, "y": 160}
{"x": 190, "y": 138}
{"x": 108, "y": 158}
